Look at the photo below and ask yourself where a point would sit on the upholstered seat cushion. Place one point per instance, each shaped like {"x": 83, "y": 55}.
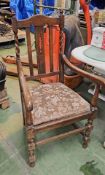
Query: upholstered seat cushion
{"x": 56, "y": 101}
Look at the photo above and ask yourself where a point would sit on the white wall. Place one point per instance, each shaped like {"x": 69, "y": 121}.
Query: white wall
{"x": 60, "y": 2}
{"x": 67, "y": 4}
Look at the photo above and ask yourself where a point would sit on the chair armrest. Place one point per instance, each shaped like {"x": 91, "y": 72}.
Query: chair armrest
{"x": 97, "y": 79}
{"x": 24, "y": 88}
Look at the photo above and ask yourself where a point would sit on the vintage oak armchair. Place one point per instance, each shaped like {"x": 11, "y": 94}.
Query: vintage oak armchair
{"x": 53, "y": 105}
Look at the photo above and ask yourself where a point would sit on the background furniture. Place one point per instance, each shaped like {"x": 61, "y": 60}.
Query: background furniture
{"x": 78, "y": 53}
{"x": 4, "y": 102}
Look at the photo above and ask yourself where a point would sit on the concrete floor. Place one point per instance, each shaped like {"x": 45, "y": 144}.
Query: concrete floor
{"x": 65, "y": 157}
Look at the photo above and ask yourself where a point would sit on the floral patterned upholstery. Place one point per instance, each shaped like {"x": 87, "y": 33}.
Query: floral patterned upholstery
{"x": 56, "y": 101}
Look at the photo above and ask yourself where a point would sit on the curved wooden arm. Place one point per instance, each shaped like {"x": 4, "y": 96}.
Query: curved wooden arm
{"x": 24, "y": 88}
{"x": 97, "y": 79}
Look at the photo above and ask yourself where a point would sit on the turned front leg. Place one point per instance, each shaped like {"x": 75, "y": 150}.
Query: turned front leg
{"x": 31, "y": 147}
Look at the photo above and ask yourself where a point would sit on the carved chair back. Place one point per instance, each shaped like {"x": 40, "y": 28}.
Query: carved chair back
{"x": 40, "y": 25}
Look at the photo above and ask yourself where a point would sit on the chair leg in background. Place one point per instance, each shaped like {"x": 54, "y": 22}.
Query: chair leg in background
{"x": 87, "y": 132}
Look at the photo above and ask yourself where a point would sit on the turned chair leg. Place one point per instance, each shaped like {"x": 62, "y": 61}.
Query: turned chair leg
{"x": 24, "y": 117}
{"x": 31, "y": 147}
{"x": 87, "y": 132}
{"x": 23, "y": 110}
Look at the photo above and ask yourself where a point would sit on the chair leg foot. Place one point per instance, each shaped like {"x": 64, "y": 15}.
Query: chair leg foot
{"x": 31, "y": 147}
{"x": 31, "y": 153}
{"x": 87, "y": 132}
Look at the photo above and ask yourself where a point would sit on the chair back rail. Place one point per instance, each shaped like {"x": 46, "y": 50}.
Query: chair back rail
{"x": 38, "y": 20}
{"x": 40, "y": 49}
{"x": 51, "y": 46}
{"x": 29, "y": 50}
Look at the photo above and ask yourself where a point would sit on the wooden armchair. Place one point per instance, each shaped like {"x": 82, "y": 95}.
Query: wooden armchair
{"x": 52, "y": 105}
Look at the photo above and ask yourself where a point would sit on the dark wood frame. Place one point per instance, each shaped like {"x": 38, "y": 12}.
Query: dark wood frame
{"x": 27, "y": 104}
